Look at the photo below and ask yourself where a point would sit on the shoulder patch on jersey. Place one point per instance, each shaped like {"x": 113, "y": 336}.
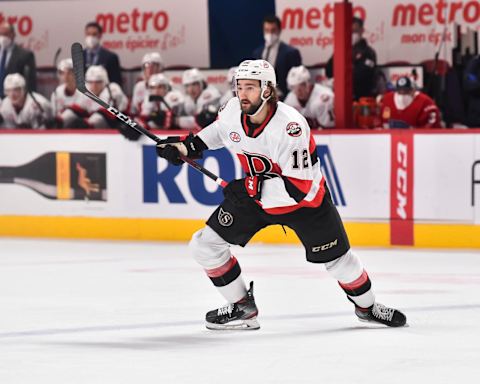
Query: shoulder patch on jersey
{"x": 294, "y": 129}
{"x": 235, "y": 137}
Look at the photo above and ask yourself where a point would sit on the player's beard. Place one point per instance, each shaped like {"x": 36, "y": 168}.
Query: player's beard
{"x": 250, "y": 108}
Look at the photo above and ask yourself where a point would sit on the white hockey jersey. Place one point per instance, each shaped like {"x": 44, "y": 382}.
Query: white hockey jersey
{"x": 139, "y": 93}
{"x": 210, "y": 96}
{"x": 30, "y": 116}
{"x": 174, "y": 99}
{"x": 112, "y": 94}
{"x": 282, "y": 149}
{"x": 60, "y": 100}
{"x": 319, "y": 109}
{"x": 209, "y": 99}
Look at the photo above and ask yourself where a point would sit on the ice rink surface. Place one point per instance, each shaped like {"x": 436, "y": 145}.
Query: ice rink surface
{"x": 124, "y": 312}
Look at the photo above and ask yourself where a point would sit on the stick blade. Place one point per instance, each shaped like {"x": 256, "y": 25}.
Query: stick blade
{"x": 78, "y": 66}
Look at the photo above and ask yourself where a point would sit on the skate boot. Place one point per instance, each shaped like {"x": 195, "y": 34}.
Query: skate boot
{"x": 241, "y": 315}
{"x": 379, "y": 313}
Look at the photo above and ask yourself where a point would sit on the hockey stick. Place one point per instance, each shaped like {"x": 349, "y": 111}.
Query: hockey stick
{"x": 161, "y": 99}
{"x": 78, "y": 69}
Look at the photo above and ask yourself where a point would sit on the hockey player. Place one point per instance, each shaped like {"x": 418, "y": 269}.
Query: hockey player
{"x": 313, "y": 101}
{"x": 202, "y": 101}
{"x": 66, "y": 94}
{"x": 408, "y": 108}
{"x": 22, "y": 109}
{"x": 284, "y": 185}
{"x": 161, "y": 105}
{"x": 152, "y": 63}
{"x": 89, "y": 114}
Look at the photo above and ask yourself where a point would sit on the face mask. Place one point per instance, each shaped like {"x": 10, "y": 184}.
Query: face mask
{"x": 91, "y": 41}
{"x": 5, "y": 42}
{"x": 402, "y": 101}
{"x": 355, "y": 38}
{"x": 270, "y": 38}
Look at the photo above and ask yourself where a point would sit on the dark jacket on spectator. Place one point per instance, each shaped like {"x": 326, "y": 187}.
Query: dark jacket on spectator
{"x": 109, "y": 60}
{"x": 22, "y": 61}
{"x": 287, "y": 58}
{"x": 471, "y": 82}
{"x": 364, "y": 63}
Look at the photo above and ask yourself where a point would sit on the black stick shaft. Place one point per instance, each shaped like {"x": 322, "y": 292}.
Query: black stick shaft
{"x": 79, "y": 67}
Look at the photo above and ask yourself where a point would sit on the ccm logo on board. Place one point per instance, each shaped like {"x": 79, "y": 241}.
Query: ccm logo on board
{"x": 401, "y": 181}
{"x": 326, "y": 246}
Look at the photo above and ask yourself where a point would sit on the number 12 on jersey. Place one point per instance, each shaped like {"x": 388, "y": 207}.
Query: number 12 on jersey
{"x": 300, "y": 160}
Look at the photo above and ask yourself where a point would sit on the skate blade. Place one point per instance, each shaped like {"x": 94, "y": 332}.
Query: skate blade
{"x": 239, "y": 325}
{"x": 380, "y": 325}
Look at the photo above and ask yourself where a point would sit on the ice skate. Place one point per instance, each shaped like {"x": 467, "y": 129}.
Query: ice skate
{"x": 241, "y": 315}
{"x": 379, "y": 313}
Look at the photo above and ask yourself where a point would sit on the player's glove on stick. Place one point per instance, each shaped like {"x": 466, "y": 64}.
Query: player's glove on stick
{"x": 240, "y": 191}
{"x": 190, "y": 146}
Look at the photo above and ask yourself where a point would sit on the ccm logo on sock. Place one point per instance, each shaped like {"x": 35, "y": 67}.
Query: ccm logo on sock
{"x": 326, "y": 246}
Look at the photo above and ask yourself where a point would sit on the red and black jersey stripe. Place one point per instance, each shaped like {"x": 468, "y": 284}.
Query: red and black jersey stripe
{"x": 254, "y": 130}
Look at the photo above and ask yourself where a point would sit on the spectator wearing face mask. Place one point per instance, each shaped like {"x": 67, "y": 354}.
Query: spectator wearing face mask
{"x": 95, "y": 54}
{"x": 15, "y": 59}
{"x": 364, "y": 63}
{"x": 281, "y": 55}
{"x": 408, "y": 108}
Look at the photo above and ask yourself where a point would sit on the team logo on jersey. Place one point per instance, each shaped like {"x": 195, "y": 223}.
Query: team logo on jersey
{"x": 235, "y": 137}
{"x": 255, "y": 164}
{"x": 294, "y": 129}
{"x": 225, "y": 218}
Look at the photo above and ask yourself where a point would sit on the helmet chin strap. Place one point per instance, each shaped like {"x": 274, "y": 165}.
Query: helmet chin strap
{"x": 264, "y": 101}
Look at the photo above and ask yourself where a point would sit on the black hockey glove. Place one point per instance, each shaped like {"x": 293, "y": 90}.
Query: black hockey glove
{"x": 190, "y": 146}
{"x": 241, "y": 190}
{"x": 158, "y": 118}
{"x": 206, "y": 117}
